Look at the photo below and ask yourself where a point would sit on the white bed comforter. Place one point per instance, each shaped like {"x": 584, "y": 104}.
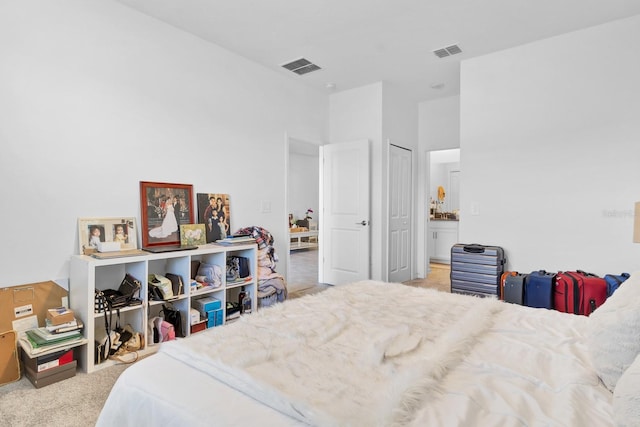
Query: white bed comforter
{"x": 374, "y": 353}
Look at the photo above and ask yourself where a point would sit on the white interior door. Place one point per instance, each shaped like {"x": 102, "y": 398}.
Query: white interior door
{"x": 344, "y": 218}
{"x": 400, "y": 219}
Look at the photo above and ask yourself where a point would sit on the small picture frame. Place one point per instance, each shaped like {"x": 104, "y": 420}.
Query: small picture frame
{"x": 193, "y": 234}
{"x": 214, "y": 211}
{"x": 117, "y": 229}
{"x": 165, "y": 207}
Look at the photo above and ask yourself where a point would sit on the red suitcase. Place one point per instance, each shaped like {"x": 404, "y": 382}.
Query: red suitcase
{"x": 578, "y": 292}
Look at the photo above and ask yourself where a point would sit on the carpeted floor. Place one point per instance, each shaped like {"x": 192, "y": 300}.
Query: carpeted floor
{"x": 303, "y": 270}
{"x": 75, "y": 402}
{"x": 438, "y": 278}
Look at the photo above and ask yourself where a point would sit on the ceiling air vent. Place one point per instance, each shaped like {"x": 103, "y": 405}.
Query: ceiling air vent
{"x": 301, "y": 66}
{"x": 447, "y": 51}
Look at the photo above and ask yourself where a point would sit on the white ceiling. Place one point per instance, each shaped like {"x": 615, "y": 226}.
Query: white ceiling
{"x": 358, "y": 42}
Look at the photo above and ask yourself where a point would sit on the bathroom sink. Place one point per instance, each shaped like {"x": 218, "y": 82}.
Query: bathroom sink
{"x": 444, "y": 215}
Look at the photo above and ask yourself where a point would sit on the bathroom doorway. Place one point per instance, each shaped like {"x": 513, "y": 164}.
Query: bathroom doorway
{"x": 444, "y": 204}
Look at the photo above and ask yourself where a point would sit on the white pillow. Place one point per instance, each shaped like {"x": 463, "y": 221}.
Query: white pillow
{"x": 613, "y": 338}
{"x": 626, "y": 397}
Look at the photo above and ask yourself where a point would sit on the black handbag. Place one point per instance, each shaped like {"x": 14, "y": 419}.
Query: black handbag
{"x": 174, "y": 317}
{"x": 115, "y": 299}
{"x": 176, "y": 283}
{"x": 129, "y": 287}
{"x": 125, "y": 293}
{"x": 100, "y": 302}
{"x": 237, "y": 268}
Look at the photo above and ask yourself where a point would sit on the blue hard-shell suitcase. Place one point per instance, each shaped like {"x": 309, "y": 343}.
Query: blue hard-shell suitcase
{"x": 614, "y": 281}
{"x": 476, "y": 269}
{"x": 538, "y": 291}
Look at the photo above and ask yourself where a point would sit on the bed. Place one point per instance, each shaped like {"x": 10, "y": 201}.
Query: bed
{"x": 373, "y": 353}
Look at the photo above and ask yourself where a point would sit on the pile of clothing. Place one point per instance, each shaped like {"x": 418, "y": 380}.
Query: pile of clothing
{"x": 271, "y": 285}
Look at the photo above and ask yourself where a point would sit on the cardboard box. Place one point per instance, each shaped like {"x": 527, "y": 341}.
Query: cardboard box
{"x": 47, "y": 361}
{"x": 214, "y": 318}
{"x": 200, "y": 326}
{"x": 204, "y": 305}
{"x": 53, "y": 375}
{"x": 59, "y": 316}
{"x": 194, "y": 316}
{"x": 18, "y": 302}
{"x": 9, "y": 363}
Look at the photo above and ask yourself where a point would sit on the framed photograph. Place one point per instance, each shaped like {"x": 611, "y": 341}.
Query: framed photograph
{"x": 93, "y": 230}
{"x": 164, "y": 208}
{"x": 214, "y": 211}
{"x": 193, "y": 234}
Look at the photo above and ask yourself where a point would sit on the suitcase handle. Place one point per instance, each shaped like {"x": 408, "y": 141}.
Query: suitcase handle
{"x": 474, "y": 248}
{"x": 584, "y": 273}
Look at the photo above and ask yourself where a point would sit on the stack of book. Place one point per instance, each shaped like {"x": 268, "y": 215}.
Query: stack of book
{"x": 236, "y": 239}
{"x": 73, "y": 325}
{"x": 42, "y": 338}
{"x": 61, "y": 329}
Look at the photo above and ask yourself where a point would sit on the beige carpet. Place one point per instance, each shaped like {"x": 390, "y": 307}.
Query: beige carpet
{"x": 438, "y": 278}
{"x": 303, "y": 270}
{"x": 75, "y": 402}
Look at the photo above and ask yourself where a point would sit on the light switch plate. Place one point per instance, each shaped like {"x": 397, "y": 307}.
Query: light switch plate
{"x": 475, "y": 208}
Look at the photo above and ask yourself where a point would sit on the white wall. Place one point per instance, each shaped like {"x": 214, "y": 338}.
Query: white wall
{"x": 95, "y": 97}
{"x": 439, "y": 123}
{"x": 550, "y": 149}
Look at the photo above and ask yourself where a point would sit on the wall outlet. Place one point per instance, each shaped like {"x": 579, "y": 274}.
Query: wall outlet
{"x": 265, "y": 206}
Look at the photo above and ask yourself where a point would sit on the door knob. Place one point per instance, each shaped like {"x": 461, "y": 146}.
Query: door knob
{"x": 363, "y": 222}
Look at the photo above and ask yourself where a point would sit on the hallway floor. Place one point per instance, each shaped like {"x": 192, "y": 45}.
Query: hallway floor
{"x": 303, "y": 275}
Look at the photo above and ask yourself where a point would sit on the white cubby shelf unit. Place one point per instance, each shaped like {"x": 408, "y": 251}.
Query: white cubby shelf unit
{"x": 88, "y": 273}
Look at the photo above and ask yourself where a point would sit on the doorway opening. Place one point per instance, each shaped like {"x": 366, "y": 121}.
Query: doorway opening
{"x": 444, "y": 205}
{"x": 303, "y": 202}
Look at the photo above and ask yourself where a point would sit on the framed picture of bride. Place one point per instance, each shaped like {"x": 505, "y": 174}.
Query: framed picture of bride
{"x": 164, "y": 208}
